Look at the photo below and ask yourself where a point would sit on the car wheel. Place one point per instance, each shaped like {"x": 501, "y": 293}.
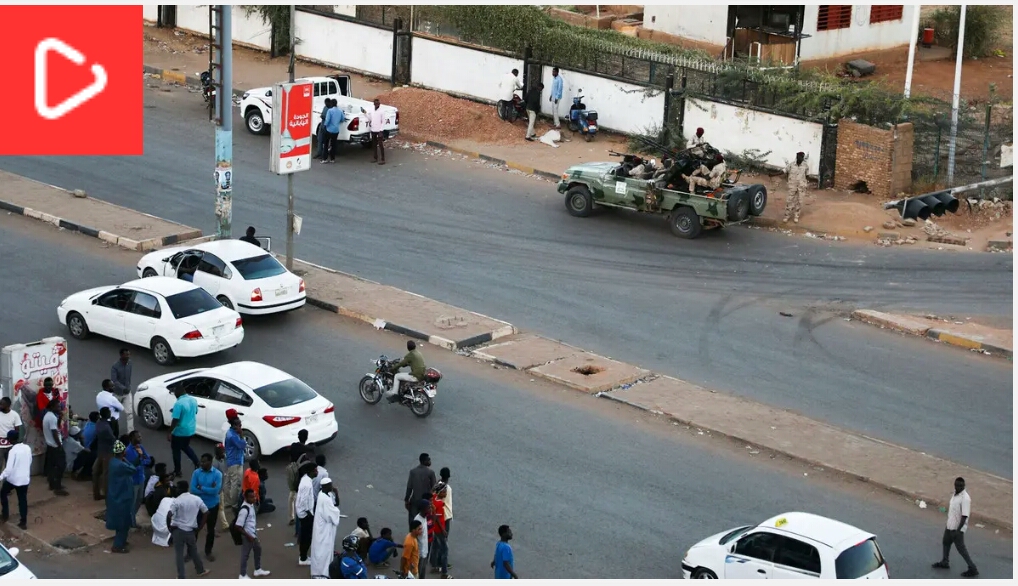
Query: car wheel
{"x": 370, "y": 390}
{"x": 704, "y": 574}
{"x": 150, "y": 413}
{"x": 225, "y": 301}
{"x": 579, "y": 201}
{"x": 684, "y": 223}
{"x": 757, "y": 200}
{"x": 162, "y": 352}
{"x": 253, "y": 450}
{"x": 149, "y": 272}
{"x": 76, "y": 326}
{"x": 254, "y": 121}
{"x": 738, "y": 206}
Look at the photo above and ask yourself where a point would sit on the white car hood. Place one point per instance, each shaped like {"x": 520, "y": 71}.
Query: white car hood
{"x": 713, "y": 540}
{"x": 87, "y": 294}
{"x": 158, "y": 255}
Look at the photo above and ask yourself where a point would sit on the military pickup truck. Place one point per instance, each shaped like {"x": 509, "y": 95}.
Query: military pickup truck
{"x": 590, "y": 186}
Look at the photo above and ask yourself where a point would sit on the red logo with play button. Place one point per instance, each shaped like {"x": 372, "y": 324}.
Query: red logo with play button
{"x": 72, "y": 80}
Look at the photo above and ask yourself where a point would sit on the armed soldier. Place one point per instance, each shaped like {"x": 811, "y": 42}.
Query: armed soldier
{"x": 709, "y": 178}
{"x": 796, "y": 188}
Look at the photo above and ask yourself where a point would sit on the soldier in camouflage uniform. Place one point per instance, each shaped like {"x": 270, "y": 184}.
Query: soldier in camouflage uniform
{"x": 796, "y": 188}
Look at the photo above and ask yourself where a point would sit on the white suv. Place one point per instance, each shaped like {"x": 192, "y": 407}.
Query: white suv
{"x": 789, "y": 546}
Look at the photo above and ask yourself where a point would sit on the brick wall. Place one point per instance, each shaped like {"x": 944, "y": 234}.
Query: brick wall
{"x": 882, "y": 158}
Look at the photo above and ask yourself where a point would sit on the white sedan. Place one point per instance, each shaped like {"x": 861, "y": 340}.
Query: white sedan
{"x": 789, "y": 546}
{"x": 273, "y": 405}
{"x": 11, "y": 568}
{"x": 240, "y": 275}
{"x": 171, "y": 317}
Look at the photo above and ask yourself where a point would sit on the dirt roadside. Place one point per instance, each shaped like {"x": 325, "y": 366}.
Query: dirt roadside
{"x": 472, "y": 128}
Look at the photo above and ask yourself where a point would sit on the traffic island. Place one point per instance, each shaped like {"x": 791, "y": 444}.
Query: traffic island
{"x": 526, "y": 351}
{"x": 403, "y": 312}
{"x": 971, "y": 336}
{"x": 894, "y": 468}
{"x": 75, "y": 211}
{"x": 589, "y": 372}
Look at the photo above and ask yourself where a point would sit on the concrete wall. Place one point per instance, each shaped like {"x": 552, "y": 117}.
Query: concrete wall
{"x": 706, "y": 24}
{"x": 733, "y": 129}
{"x": 459, "y": 70}
{"x": 196, "y": 18}
{"x": 622, "y": 107}
{"x": 247, "y": 30}
{"x": 882, "y": 158}
{"x": 345, "y": 9}
{"x": 345, "y": 44}
{"x": 858, "y": 38}
{"x": 150, "y": 12}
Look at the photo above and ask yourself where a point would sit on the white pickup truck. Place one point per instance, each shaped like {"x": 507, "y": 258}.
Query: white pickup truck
{"x": 256, "y": 107}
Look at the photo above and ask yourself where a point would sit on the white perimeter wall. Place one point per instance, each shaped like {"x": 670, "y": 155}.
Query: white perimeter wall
{"x": 860, "y": 37}
{"x": 345, "y": 44}
{"x": 150, "y": 12}
{"x": 732, "y": 129}
{"x": 622, "y": 107}
{"x": 708, "y": 24}
{"x": 458, "y": 70}
{"x": 248, "y": 30}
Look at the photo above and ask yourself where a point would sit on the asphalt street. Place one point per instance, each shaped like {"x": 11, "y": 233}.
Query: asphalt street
{"x": 577, "y": 478}
{"x": 707, "y": 311}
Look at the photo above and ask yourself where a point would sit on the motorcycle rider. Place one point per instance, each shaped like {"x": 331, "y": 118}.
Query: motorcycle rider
{"x": 350, "y": 565}
{"x": 415, "y": 361}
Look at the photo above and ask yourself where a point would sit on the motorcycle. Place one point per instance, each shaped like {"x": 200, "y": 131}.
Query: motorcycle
{"x": 512, "y": 110}
{"x": 581, "y": 119}
{"x": 208, "y": 90}
{"x": 418, "y": 396}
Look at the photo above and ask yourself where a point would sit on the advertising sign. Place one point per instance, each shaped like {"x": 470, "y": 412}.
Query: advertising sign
{"x": 24, "y": 369}
{"x": 291, "y": 128}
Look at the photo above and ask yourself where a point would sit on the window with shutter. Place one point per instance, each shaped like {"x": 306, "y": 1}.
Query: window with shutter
{"x": 833, "y": 17}
{"x": 885, "y": 13}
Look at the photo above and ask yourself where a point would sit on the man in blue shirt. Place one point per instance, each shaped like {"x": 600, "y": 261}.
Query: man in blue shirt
{"x": 556, "y": 94}
{"x": 383, "y": 548}
{"x": 351, "y": 565}
{"x": 503, "y": 562}
{"x": 182, "y": 428}
{"x": 235, "y": 447}
{"x": 139, "y": 458}
{"x": 206, "y": 482}
{"x": 88, "y": 432}
{"x": 334, "y": 116}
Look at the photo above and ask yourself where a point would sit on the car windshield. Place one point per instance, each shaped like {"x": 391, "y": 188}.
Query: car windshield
{"x": 7, "y": 562}
{"x": 191, "y": 303}
{"x": 733, "y": 534}
{"x": 859, "y": 560}
{"x": 259, "y": 267}
{"x": 285, "y": 393}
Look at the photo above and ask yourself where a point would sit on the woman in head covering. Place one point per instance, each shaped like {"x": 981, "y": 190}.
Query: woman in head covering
{"x": 120, "y": 497}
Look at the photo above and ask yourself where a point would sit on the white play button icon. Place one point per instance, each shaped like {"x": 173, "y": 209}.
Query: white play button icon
{"x": 42, "y": 107}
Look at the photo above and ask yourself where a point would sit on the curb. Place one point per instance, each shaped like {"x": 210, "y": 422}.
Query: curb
{"x": 181, "y": 78}
{"x": 1002, "y": 523}
{"x": 912, "y": 327}
{"x": 476, "y": 155}
{"x": 507, "y": 329}
{"x": 126, "y": 243}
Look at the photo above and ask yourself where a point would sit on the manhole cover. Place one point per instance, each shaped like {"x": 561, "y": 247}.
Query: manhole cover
{"x": 588, "y": 369}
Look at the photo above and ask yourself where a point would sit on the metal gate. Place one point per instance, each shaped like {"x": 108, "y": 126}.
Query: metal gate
{"x": 402, "y": 53}
{"x": 828, "y": 154}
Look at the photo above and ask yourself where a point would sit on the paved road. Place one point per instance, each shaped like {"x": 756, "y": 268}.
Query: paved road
{"x": 575, "y": 477}
{"x": 706, "y": 311}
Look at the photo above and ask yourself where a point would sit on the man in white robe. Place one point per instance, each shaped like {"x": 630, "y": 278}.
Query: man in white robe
{"x": 160, "y": 531}
{"x": 323, "y": 537}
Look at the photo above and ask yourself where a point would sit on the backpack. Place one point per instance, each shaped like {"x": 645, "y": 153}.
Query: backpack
{"x": 235, "y": 531}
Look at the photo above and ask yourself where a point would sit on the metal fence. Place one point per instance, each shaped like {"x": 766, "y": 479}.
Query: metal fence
{"x": 981, "y": 134}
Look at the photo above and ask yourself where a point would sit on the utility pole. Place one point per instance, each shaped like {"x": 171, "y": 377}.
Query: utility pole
{"x": 957, "y": 97}
{"x": 911, "y": 50}
{"x": 222, "y": 75}
{"x": 289, "y": 176}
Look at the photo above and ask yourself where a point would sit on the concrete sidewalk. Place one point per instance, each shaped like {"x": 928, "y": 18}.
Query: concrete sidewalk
{"x": 971, "y": 336}
{"x": 62, "y": 524}
{"x": 92, "y": 217}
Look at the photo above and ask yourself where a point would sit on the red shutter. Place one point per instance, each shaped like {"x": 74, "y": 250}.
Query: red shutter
{"x": 885, "y": 13}
{"x": 832, "y": 17}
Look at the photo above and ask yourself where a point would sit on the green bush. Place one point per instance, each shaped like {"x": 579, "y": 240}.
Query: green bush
{"x": 982, "y": 23}
{"x": 278, "y": 17}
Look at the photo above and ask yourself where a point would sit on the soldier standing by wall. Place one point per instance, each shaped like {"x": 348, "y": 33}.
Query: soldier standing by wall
{"x": 796, "y": 188}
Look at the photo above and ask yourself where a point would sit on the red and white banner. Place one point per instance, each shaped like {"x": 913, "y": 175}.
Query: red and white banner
{"x": 291, "y": 127}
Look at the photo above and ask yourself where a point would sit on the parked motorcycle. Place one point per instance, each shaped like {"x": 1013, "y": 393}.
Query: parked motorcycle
{"x": 418, "y": 396}
{"x": 581, "y": 119}
{"x": 208, "y": 90}
{"x": 513, "y": 110}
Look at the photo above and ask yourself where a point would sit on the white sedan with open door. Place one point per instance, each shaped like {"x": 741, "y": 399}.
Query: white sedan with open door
{"x": 173, "y": 318}
{"x": 240, "y": 275}
{"x": 273, "y": 405}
